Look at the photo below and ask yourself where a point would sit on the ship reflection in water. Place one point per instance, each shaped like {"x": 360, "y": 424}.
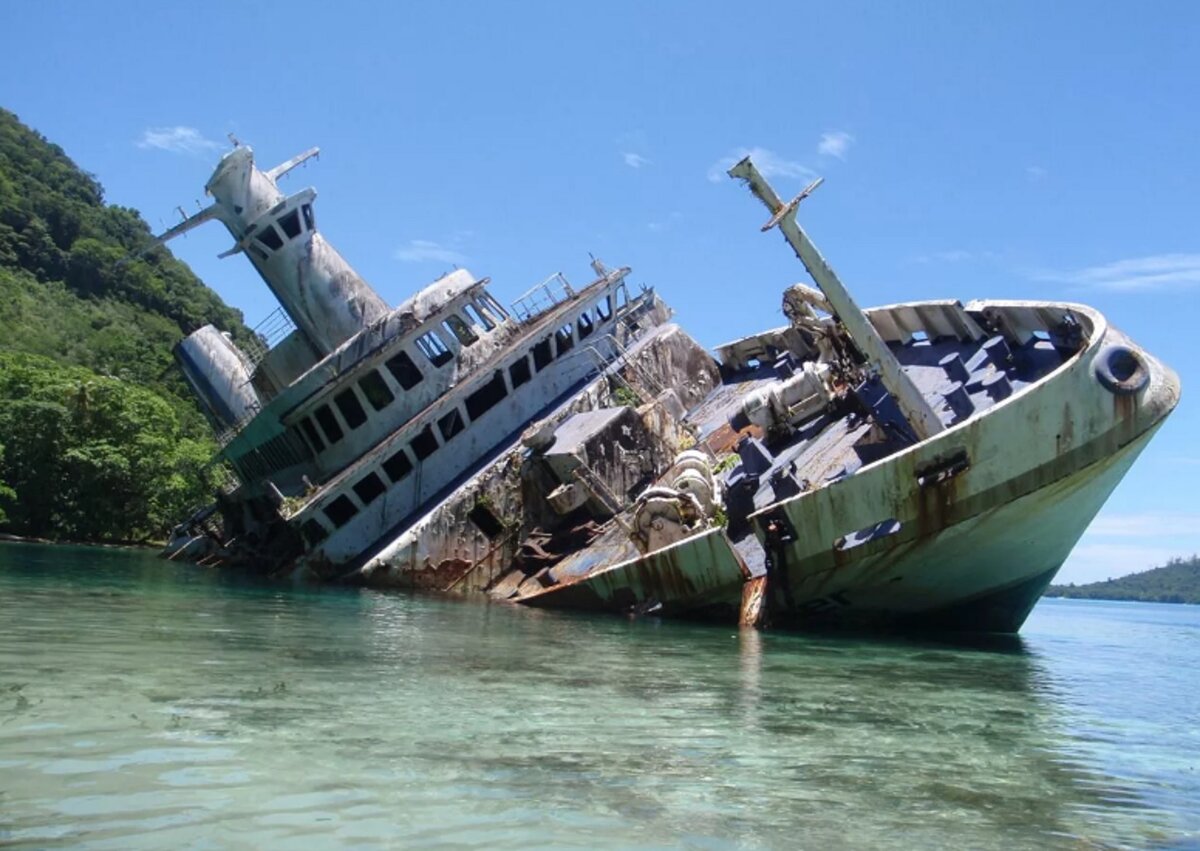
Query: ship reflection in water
{"x": 148, "y": 704}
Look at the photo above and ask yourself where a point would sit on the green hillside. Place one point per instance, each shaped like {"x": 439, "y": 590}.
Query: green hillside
{"x": 1178, "y": 581}
{"x": 101, "y": 438}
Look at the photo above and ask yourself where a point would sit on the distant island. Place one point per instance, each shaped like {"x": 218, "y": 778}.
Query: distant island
{"x": 1178, "y": 581}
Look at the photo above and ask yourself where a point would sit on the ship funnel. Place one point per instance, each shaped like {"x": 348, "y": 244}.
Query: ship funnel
{"x": 220, "y": 376}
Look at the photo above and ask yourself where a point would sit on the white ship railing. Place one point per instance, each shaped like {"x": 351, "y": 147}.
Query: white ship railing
{"x": 542, "y": 298}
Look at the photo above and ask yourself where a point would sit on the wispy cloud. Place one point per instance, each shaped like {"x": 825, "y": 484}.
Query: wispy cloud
{"x": 769, "y": 164}
{"x": 1035, "y": 173}
{"x": 1150, "y": 524}
{"x": 179, "y": 140}
{"x": 667, "y": 223}
{"x": 1157, "y": 272}
{"x": 1117, "y": 544}
{"x": 835, "y": 143}
{"x": 634, "y": 160}
{"x": 424, "y": 250}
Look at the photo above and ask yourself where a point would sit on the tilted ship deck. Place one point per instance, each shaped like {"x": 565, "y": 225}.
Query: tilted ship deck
{"x": 924, "y": 465}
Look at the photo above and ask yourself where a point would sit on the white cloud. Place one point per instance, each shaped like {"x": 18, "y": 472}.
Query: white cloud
{"x": 179, "y": 140}
{"x": 634, "y": 160}
{"x": 768, "y": 163}
{"x": 1148, "y": 524}
{"x": 1098, "y": 562}
{"x": 835, "y": 143}
{"x": 667, "y": 223}
{"x": 1035, "y": 173}
{"x": 424, "y": 250}
{"x": 1120, "y": 544}
{"x": 1157, "y": 272}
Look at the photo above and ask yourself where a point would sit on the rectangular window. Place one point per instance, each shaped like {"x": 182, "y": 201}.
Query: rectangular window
{"x": 340, "y": 511}
{"x": 490, "y": 304}
{"x": 369, "y": 487}
{"x": 585, "y": 325}
{"x": 520, "y": 372}
{"x": 290, "y": 224}
{"x": 542, "y": 355}
{"x": 424, "y": 444}
{"x": 604, "y": 309}
{"x": 478, "y": 317}
{"x": 313, "y": 532}
{"x": 398, "y": 466}
{"x": 376, "y": 390}
{"x": 450, "y": 425}
{"x": 486, "y": 397}
{"x": 306, "y": 210}
{"x": 564, "y": 339}
{"x": 404, "y": 371}
{"x": 329, "y": 424}
{"x": 310, "y": 431}
{"x": 460, "y": 329}
{"x": 351, "y": 408}
{"x": 269, "y": 237}
{"x": 431, "y": 345}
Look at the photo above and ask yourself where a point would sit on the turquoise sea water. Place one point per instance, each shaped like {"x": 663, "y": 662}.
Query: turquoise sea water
{"x": 149, "y": 705}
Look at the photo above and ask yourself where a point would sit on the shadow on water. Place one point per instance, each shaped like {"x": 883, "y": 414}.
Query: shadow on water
{"x": 176, "y": 695}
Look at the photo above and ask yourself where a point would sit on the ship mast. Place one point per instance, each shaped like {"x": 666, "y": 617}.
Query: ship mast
{"x": 923, "y": 420}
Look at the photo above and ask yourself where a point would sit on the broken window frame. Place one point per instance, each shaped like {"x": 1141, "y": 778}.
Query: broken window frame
{"x": 375, "y": 389}
{"x": 289, "y": 223}
{"x": 351, "y": 409}
{"x": 460, "y": 330}
{"x": 269, "y": 237}
{"x": 404, "y": 370}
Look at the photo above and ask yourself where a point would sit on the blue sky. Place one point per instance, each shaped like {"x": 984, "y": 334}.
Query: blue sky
{"x": 1015, "y": 150}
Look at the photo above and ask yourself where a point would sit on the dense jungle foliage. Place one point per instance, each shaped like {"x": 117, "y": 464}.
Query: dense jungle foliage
{"x": 1178, "y": 581}
{"x": 101, "y": 438}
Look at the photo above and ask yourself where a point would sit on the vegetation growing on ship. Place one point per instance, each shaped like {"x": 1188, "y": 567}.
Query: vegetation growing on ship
{"x": 84, "y": 288}
{"x": 1178, "y": 581}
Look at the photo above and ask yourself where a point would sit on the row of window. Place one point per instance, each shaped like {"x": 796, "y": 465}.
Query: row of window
{"x": 425, "y": 443}
{"x": 289, "y": 223}
{"x": 374, "y": 386}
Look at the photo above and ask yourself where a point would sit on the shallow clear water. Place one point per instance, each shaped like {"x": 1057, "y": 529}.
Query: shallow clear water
{"x": 144, "y": 704}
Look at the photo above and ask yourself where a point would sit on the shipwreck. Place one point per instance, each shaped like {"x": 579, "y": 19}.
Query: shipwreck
{"x": 918, "y": 465}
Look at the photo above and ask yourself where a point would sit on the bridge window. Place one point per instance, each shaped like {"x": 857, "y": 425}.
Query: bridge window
{"x": 460, "y": 329}
{"x": 310, "y": 432}
{"x": 477, "y": 317}
{"x": 431, "y": 345}
{"x": 424, "y": 444}
{"x": 519, "y": 372}
{"x": 306, "y": 210}
{"x": 269, "y": 237}
{"x": 451, "y": 424}
{"x": 290, "y": 224}
{"x": 340, "y": 511}
{"x": 604, "y": 309}
{"x": 369, "y": 487}
{"x": 351, "y": 408}
{"x": 404, "y": 371}
{"x": 586, "y": 326}
{"x": 490, "y": 305}
{"x": 487, "y": 396}
{"x": 376, "y": 390}
{"x": 329, "y": 424}
{"x": 398, "y": 466}
{"x": 542, "y": 354}
{"x": 566, "y": 340}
